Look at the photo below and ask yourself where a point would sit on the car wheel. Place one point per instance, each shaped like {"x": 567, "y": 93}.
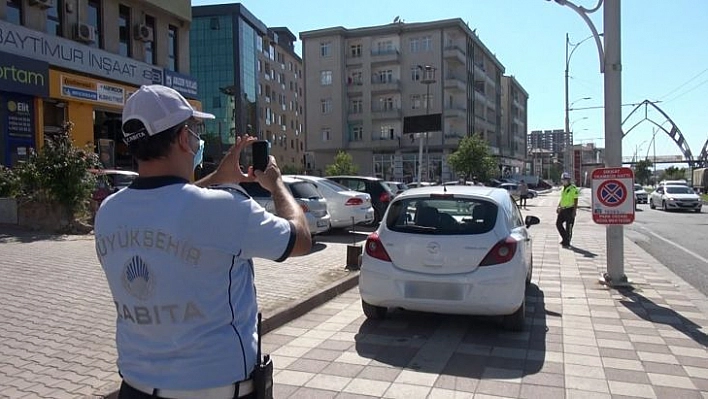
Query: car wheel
{"x": 651, "y": 204}
{"x": 516, "y": 320}
{"x": 698, "y": 210}
{"x": 530, "y": 273}
{"x": 663, "y": 206}
{"x": 372, "y": 311}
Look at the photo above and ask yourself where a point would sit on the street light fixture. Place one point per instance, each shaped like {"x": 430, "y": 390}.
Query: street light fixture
{"x": 428, "y": 79}
{"x": 568, "y": 56}
{"x": 578, "y": 100}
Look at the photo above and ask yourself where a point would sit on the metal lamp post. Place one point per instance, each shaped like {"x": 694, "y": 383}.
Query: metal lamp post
{"x": 611, "y": 66}
{"x": 428, "y": 79}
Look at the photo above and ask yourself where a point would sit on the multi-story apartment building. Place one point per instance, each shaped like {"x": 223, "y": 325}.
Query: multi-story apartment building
{"x": 514, "y": 120}
{"x": 249, "y": 77}
{"x": 281, "y": 101}
{"x": 362, "y": 83}
{"x": 78, "y": 60}
{"x": 556, "y": 141}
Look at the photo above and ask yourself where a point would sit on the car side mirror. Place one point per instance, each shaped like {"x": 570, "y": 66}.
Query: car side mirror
{"x": 531, "y": 220}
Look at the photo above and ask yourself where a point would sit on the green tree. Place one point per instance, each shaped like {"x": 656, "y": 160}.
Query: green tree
{"x": 472, "y": 159}
{"x": 673, "y": 173}
{"x": 343, "y": 165}
{"x": 642, "y": 171}
{"x": 59, "y": 173}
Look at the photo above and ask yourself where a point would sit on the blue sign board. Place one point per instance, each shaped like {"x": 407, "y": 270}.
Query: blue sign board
{"x": 185, "y": 84}
{"x": 23, "y": 75}
{"x": 17, "y": 128}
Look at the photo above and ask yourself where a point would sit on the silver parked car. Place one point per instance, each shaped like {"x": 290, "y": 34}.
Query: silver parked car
{"x": 305, "y": 193}
{"x": 345, "y": 206}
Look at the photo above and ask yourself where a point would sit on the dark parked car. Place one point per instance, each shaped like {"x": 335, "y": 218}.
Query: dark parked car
{"x": 381, "y": 194}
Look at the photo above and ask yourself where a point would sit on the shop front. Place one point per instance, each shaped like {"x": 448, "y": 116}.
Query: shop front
{"x": 23, "y": 84}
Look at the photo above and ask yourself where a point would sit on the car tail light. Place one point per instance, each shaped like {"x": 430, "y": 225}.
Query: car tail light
{"x": 354, "y": 201}
{"x": 375, "y": 249}
{"x": 502, "y": 252}
{"x": 305, "y": 208}
{"x": 384, "y": 197}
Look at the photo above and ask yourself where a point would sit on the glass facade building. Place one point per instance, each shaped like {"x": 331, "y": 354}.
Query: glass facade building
{"x": 223, "y": 59}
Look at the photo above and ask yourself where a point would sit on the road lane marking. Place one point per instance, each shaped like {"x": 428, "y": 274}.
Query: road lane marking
{"x": 686, "y": 250}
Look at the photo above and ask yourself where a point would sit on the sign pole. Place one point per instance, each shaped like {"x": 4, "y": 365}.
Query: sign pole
{"x": 613, "y": 132}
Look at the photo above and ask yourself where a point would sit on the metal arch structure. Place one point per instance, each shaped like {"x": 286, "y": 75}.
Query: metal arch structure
{"x": 703, "y": 158}
{"x": 674, "y": 133}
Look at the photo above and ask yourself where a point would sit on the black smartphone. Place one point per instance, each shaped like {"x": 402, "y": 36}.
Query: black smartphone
{"x": 261, "y": 154}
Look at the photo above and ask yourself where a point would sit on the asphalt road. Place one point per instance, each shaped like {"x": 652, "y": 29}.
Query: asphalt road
{"x": 676, "y": 239}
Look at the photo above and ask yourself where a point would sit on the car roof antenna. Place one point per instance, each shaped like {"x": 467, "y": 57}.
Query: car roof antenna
{"x": 444, "y": 189}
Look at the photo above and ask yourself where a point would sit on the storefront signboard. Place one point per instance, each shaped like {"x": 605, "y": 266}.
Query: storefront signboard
{"x": 184, "y": 84}
{"x": 73, "y": 55}
{"x": 23, "y": 75}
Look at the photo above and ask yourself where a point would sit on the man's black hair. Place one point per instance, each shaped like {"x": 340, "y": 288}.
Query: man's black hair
{"x": 151, "y": 147}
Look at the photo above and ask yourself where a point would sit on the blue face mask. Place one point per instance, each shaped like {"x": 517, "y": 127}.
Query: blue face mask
{"x": 199, "y": 155}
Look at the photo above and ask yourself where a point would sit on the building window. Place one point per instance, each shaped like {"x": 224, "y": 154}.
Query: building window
{"x": 387, "y": 104}
{"x": 415, "y": 73}
{"x": 415, "y": 45}
{"x": 326, "y": 105}
{"x": 325, "y": 134}
{"x": 355, "y": 50}
{"x": 150, "y": 46}
{"x": 54, "y": 18}
{"x": 357, "y": 106}
{"x": 357, "y": 133}
{"x": 427, "y": 101}
{"x": 13, "y": 13}
{"x": 356, "y": 79}
{"x": 416, "y": 102}
{"x": 325, "y": 49}
{"x": 216, "y": 102}
{"x": 426, "y": 43}
{"x": 94, "y": 19}
{"x": 387, "y": 132}
{"x": 385, "y": 47}
{"x": 326, "y": 78}
{"x": 124, "y": 31}
{"x": 385, "y": 76}
{"x": 172, "y": 48}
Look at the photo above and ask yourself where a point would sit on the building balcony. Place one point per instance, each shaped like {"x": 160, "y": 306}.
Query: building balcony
{"x": 379, "y": 86}
{"x": 452, "y": 111}
{"x": 392, "y": 56}
{"x": 355, "y": 116}
{"x": 454, "y": 53}
{"x": 455, "y": 83}
{"x": 354, "y": 61}
{"x": 454, "y": 136}
{"x": 379, "y": 142}
{"x": 385, "y": 113}
{"x": 355, "y": 87}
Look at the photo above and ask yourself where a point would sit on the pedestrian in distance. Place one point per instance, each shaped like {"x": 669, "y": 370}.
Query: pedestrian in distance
{"x": 178, "y": 257}
{"x": 567, "y": 208}
{"x": 523, "y": 193}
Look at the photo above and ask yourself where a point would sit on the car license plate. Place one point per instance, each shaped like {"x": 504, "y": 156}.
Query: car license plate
{"x": 321, "y": 223}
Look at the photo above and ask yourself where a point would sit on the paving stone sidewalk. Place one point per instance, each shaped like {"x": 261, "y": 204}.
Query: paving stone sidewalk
{"x": 57, "y": 318}
{"x": 583, "y": 340}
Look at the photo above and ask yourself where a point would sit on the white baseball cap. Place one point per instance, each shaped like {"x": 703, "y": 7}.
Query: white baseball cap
{"x": 565, "y": 176}
{"x": 158, "y": 108}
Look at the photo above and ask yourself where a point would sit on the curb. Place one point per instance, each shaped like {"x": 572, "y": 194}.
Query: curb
{"x": 284, "y": 314}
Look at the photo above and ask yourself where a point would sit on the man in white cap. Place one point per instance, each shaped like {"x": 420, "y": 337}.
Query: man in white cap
{"x": 567, "y": 208}
{"x": 178, "y": 257}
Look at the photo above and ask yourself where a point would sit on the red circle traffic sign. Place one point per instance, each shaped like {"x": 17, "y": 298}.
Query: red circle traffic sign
{"x": 611, "y": 193}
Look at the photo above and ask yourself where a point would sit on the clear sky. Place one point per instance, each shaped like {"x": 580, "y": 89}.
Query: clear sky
{"x": 664, "y": 55}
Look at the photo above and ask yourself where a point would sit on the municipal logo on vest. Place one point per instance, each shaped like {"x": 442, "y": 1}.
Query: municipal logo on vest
{"x": 138, "y": 279}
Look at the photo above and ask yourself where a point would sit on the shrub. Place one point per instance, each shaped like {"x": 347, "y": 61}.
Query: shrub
{"x": 59, "y": 172}
{"x": 9, "y": 183}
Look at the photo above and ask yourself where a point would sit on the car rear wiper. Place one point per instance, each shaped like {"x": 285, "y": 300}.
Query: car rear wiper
{"x": 417, "y": 229}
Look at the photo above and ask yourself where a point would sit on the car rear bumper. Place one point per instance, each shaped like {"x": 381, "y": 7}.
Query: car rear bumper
{"x": 359, "y": 215}
{"x": 318, "y": 225}
{"x": 491, "y": 290}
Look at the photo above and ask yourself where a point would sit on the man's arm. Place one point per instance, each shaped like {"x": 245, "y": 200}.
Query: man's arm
{"x": 287, "y": 208}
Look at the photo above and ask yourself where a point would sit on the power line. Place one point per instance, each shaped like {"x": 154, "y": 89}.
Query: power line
{"x": 684, "y": 84}
{"x": 689, "y": 90}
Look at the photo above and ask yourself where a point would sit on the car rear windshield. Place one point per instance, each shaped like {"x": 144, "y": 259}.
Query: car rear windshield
{"x": 679, "y": 190}
{"x": 442, "y": 216}
{"x": 255, "y": 190}
{"x": 304, "y": 189}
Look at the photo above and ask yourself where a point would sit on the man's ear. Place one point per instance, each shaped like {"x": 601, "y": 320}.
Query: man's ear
{"x": 183, "y": 139}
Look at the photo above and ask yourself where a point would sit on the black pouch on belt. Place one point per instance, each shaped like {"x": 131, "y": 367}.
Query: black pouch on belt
{"x": 263, "y": 372}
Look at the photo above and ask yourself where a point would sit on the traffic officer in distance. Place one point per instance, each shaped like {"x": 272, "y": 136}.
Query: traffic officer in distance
{"x": 178, "y": 256}
{"x": 566, "y": 210}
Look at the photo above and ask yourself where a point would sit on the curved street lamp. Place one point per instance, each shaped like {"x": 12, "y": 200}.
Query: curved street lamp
{"x": 428, "y": 79}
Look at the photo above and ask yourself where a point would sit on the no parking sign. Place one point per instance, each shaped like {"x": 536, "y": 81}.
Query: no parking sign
{"x": 613, "y": 196}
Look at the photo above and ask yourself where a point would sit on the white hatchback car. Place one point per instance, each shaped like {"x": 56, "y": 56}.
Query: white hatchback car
{"x": 450, "y": 249}
{"x": 345, "y": 206}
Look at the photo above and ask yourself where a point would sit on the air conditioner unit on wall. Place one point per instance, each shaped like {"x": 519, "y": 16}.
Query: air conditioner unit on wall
{"x": 143, "y": 33}
{"x": 43, "y": 4}
{"x": 85, "y": 33}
